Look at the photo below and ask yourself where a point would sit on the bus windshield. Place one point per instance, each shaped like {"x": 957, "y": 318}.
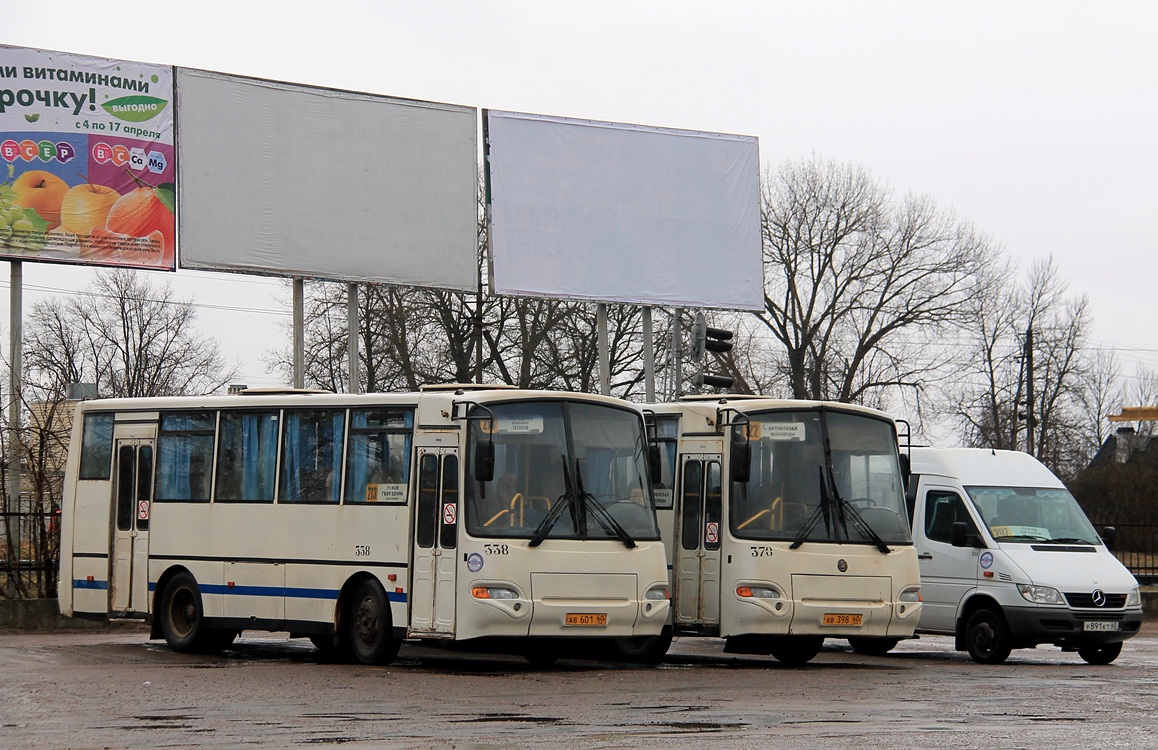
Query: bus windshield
{"x": 1028, "y": 514}
{"x": 563, "y": 470}
{"x": 821, "y": 476}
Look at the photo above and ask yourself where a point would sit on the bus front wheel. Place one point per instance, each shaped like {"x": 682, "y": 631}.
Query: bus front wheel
{"x": 1100, "y": 654}
{"x": 369, "y": 625}
{"x": 795, "y": 650}
{"x": 987, "y": 637}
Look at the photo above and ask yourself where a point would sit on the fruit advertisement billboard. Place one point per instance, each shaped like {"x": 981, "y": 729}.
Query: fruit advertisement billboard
{"x": 87, "y": 172}
{"x": 611, "y": 212}
{"x": 290, "y": 180}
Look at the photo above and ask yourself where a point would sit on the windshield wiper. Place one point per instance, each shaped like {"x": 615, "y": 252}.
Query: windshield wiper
{"x": 1070, "y": 540}
{"x": 814, "y": 518}
{"x": 592, "y": 503}
{"x": 1029, "y": 537}
{"x": 552, "y": 518}
{"x": 858, "y": 520}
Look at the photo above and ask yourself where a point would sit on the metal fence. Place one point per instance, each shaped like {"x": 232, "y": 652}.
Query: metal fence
{"x": 1137, "y": 547}
{"x": 29, "y": 554}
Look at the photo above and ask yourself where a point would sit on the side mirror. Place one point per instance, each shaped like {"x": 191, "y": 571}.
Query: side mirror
{"x": 653, "y": 464}
{"x": 484, "y": 461}
{"x": 959, "y": 534}
{"x": 741, "y": 462}
{"x": 1109, "y": 536}
{"x": 906, "y": 469}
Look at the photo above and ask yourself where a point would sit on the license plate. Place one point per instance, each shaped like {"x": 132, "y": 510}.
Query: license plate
{"x": 1100, "y": 626}
{"x": 848, "y": 621}
{"x": 590, "y": 620}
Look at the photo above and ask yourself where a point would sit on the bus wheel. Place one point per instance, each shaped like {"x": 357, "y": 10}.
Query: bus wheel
{"x": 873, "y": 646}
{"x": 182, "y": 618}
{"x": 795, "y": 650}
{"x": 987, "y": 637}
{"x": 648, "y": 649}
{"x": 1100, "y": 654}
{"x": 370, "y": 628}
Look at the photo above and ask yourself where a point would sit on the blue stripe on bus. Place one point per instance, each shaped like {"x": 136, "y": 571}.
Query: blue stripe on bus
{"x": 86, "y": 584}
{"x": 275, "y": 591}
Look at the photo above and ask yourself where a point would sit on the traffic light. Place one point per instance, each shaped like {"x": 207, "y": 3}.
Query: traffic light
{"x": 708, "y": 339}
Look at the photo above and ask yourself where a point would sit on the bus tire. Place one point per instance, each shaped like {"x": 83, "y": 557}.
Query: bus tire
{"x": 987, "y": 637}
{"x": 648, "y": 649}
{"x": 794, "y": 650}
{"x": 872, "y": 646}
{"x": 1100, "y": 654}
{"x": 182, "y": 615}
{"x": 369, "y": 625}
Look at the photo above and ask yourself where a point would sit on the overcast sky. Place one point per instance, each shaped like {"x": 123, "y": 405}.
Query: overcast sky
{"x": 1037, "y": 121}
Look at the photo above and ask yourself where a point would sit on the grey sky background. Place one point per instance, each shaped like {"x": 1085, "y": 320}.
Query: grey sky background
{"x": 1037, "y": 121}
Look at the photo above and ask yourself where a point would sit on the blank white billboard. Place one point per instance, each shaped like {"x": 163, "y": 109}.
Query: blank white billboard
{"x": 624, "y": 213}
{"x": 288, "y": 180}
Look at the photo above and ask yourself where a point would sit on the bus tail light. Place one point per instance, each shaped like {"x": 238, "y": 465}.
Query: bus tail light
{"x": 757, "y": 592}
{"x": 493, "y": 592}
{"x": 657, "y": 593}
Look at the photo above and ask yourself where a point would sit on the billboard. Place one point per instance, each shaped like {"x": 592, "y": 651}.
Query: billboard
{"x": 87, "y": 171}
{"x": 623, "y": 213}
{"x": 290, "y": 180}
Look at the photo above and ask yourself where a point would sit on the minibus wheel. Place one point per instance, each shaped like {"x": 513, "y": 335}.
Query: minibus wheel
{"x": 644, "y": 649}
{"x": 987, "y": 637}
{"x": 369, "y": 626}
{"x": 1100, "y": 654}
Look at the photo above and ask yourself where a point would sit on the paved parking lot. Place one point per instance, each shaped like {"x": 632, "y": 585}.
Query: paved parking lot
{"x": 115, "y": 688}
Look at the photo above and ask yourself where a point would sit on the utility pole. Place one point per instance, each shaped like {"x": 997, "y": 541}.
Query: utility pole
{"x": 1030, "y": 421}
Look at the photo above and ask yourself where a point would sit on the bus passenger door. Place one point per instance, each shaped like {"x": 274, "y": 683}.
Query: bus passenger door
{"x": 132, "y": 492}
{"x": 432, "y": 589}
{"x": 697, "y": 553}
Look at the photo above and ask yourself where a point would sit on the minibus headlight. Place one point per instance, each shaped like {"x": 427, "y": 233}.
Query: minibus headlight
{"x": 911, "y": 594}
{"x": 1039, "y": 594}
{"x": 656, "y": 593}
{"x": 757, "y": 592}
{"x": 1134, "y": 598}
{"x": 493, "y": 592}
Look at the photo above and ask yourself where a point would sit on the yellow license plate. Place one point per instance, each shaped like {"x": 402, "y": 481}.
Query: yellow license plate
{"x": 848, "y": 621}
{"x": 592, "y": 620}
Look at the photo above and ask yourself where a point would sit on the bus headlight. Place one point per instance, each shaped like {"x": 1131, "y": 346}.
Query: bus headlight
{"x": 757, "y": 592}
{"x": 493, "y": 592}
{"x": 657, "y": 593}
{"x": 1134, "y": 598}
{"x": 1039, "y": 594}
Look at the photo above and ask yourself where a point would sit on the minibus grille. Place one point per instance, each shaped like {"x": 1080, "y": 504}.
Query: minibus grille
{"x": 1086, "y": 601}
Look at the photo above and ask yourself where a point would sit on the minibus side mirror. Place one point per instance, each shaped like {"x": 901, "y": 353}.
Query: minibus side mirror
{"x": 653, "y": 465}
{"x": 741, "y": 461}
{"x": 484, "y": 461}
{"x": 959, "y": 534}
{"x": 1109, "y": 536}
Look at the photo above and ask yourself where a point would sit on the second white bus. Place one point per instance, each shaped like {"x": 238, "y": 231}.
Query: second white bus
{"x": 458, "y": 513}
{"x": 785, "y": 523}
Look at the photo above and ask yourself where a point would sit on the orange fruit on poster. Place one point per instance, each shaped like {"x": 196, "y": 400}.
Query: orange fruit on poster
{"x": 139, "y": 212}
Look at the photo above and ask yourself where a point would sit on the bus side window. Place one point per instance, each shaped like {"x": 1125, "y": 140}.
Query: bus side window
{"x": 96, "y": 455}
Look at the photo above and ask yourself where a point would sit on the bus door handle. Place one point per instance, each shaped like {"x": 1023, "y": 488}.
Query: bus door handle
{"x": 925, "y": 556}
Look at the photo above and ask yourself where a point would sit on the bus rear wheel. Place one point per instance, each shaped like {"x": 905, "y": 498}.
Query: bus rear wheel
{"x": 369, "y": 626}
{"x": 183, "y": 619}
{"x": 795, "y": 650}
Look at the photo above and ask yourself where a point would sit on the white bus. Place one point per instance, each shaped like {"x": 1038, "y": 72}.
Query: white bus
{"x": 785, "y": 523}
{"x": 457, "y": 513}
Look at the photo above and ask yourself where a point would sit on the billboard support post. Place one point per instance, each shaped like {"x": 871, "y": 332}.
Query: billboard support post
{"x": 299, "y": 332}
{"x": 15, "y": 372}
{"x": 677, "y": 375}
{"x": 352, "y": 326}
{"x": 648, "y": 357}
{"x": 604, "y": 354}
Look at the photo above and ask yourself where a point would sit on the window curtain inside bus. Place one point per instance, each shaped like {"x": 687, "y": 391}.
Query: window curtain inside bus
{"x": 185, "y": 456}
{"x": 312, "y": 456}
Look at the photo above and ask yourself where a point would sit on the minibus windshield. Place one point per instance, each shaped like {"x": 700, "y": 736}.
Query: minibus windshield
{"x": 1029, "y": 514}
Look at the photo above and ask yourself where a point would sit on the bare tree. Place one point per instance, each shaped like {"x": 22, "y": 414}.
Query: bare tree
{"x": 855, "y": 280}
{"x": 127, "y": 335}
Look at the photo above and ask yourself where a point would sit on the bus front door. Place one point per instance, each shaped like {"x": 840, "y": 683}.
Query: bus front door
{"x": 132, "y": 492}
{"x": 432, "y": 589}
{"x": 697, "y": 554}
